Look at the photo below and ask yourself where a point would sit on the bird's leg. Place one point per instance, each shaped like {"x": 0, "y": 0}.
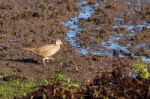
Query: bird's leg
{"x": 44, "y": 59}
{"x": 51, "y": 58}
{"x": 44, "y": 62}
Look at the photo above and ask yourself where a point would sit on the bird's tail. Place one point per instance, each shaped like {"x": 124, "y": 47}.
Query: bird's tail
{"x": 28, "y": 49}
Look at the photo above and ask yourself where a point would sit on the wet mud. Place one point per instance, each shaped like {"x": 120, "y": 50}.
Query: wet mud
{"x": 109, "y": 85}
{"x": 26, "y": 23}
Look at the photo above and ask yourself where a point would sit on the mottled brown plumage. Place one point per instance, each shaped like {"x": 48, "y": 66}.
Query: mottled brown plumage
{"x": 46, "y": 51}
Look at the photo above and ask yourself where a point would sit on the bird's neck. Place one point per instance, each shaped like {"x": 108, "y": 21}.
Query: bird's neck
{"x": 57, "y": 44}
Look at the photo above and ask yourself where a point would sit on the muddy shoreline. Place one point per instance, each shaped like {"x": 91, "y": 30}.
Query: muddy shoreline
{"x": 26, "y": 23}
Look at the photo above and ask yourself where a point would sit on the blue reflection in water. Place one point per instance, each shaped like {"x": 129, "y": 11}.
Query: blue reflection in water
{"x": 85, "y": 12}
{"x": 111, "y": 45}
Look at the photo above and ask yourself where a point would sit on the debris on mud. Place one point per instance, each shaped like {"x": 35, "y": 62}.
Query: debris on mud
{"x": 32, "y": 23}
{"x": 109, "y": 85}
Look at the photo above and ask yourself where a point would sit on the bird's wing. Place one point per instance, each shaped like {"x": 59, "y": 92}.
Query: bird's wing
{"x": 45, "y": 50}
{"x": 47, "y": 47}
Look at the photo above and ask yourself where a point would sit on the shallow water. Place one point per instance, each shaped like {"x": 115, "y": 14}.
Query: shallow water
{"x": 110, "y": 46}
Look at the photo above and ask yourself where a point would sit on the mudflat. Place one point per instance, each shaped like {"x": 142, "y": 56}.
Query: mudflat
{"x": 33, "y": 23}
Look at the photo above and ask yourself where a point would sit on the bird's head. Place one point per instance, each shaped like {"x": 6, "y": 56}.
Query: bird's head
{"x": 59, "y": 42}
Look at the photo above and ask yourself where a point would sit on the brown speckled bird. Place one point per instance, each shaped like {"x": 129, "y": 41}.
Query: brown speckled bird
{"x": 46, "y": 51}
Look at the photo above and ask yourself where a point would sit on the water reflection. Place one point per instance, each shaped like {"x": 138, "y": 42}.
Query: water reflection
{"x": 111, "y": 47}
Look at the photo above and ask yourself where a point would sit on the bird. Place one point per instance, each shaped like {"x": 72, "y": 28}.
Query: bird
{"x": 46, "y": 51}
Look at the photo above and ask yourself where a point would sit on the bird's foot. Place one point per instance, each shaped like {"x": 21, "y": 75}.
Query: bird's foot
{"x": 45, "y": 64}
